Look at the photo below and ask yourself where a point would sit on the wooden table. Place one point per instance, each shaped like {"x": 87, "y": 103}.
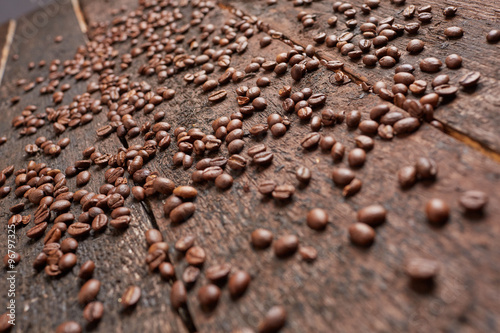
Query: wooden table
{"x": 347, "y": 289}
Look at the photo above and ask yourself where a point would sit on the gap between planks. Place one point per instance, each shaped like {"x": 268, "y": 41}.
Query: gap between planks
{"x": 358, "y": 79}
{"x": 6, "y": 48}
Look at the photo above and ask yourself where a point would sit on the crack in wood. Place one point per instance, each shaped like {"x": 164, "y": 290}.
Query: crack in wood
{"x": 80, "y": 17}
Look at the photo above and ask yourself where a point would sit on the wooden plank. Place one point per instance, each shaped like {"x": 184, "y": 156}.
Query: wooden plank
{"x": 42, "y": 302}
{"x": 5, "y": 44}
{"x": 473, "y": 113}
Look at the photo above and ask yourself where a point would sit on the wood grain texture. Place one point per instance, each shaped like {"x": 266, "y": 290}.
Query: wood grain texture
{"x": 473, "y": 113}
{"x": 43, "y": 302}
{"x": 347, "y": 289}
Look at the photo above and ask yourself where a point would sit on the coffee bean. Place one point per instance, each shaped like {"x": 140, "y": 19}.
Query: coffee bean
{"x": 473, "y": 201}
{"x": 361, "y": 234}
{"x": 224, "y": 181}
{"x": 178, "y": 295}
{"x": 190, "y": 275}
{"x": 60, "y": 206}
{"x": 67, "y": 261}
{"x": 437, "y": 211}
{"x": 274, "y": 320}
{"x": 407, "y": 176}
{"x": 317, "y": 219}
{"x": 37, "y": 231}
{"x": 93, "y": 312}
{"x": 303, "y": 174}
{"x": 153, "y": 236}
{"x": 195, "y": 256}
{"x": 69, "y": 245}
{"x": 286, "y": 246}
{"x": 426, "y": 168}
{"x": 69, "y": 327}
{"x": 263, "y": 158}
{"x": 450, "y": 11}
{"x": 453, "y": 61}
{"x": 342, "y": 176}
{"x": 238, "y": 283}
{"x": 182, "y": 212}
{"x": 470, "y": 79}
{"x": 185, "y": 192}
{"x": 415, "y": 46}
{"x": 88, "y": 292}
{"x": 430, "y": 65}
{"x": 218, "y": 273}
{"x": 421, "y": 268}
{"x": 86, "y": 270}
{"x": 166, "y": 270}
{"x": 82, "y": 178}
{"x": 406, "y": 125}
{"x": 353, "y": 118}
{"x": 163, "y": 185}
{"x": 185, "y": 243}
{"x": 308, "y": 253}
{"x": 372, "y": 215}
{"x": 209, "y": 295}
{"x": 356, "y": 158}
{"x": 283, "y": 192}
{"x": 120, "y": 222}
{"x": 493, "y": 36}
{"x": 453, "y": 32}
{"x": 298, "y": 71}
{"x": 131, "y": 296}
{"x": 217, "y": 96}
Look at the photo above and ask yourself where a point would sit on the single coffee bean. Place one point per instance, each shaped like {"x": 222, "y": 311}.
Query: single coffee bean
{"x": 493, "y": 36}
{"x": 407, "y": 176}
{"x": 163, "y": 185}
{"x": 69, "y": 245}
{"x": 303, "y": 174}
{"x": 352, "y": 188}
{"x": 86, "y": 270}
{"x": 69, "y": 327}
{"x": 238, "y": 283}
{"x": 426, "y": 168}
{"x": 453, "y": 32}
{"x": 195, "y": 256}
{"x": 131, "y": 296}
{"x": 261, "y": 238}
{"x": 453, "y": 61}
{"x": 415, "y": 46}
{"x": 372, "y": 215}
{"x": 361, "y": 234}
{"x": 356, "y": 157}
{"x": 93, "y": 312}
{"x": 88, "y": 292}
{"x": 178, "y": 295}
{"x": 37, "y": 231}
{"x": 286, "y": 246}
{"x": 224, "y": 181}
{"x": 353, "y": 118}
{"x": 166, "y": 270}
{"x": 342, "y": 176}
{"x": 283, "y": 192}
{"x": 263, "y": 159}
{"x": 473, "y": 201}
{"x": 218, "y": 273}
{"x": 430, "y": 65}
{"x": 217, "y": 96}
{"x": 274, "y": 320}
{"x": 82, "y": 178}
{"x": 67, "y": 261}
{"x": 209, "y": 295}
{"x": 317, "y": 219}
{"x": 308, "y": 253}
{"x": 470, "y": 79}
{"x": 190, "y": 275}
{"x": 437, "y": 211}
{"x": 185, "y": 243}
{"x": 79, "y": 229}
{"x": 182, "y": 212}
{"x": 422, "y": 269}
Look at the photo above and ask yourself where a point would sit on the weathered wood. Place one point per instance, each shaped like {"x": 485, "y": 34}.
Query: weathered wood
{"x": 473, "y": 113}
{"x": 43, "y": 302}
{"x": 346, "y": 288}
{"x": 4, "y": 49}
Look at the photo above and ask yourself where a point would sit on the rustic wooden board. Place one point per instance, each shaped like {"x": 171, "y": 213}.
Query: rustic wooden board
{"x": 346, "y": 286}
{"x": 473, "y": 113}
{"x": 42, "y": 302}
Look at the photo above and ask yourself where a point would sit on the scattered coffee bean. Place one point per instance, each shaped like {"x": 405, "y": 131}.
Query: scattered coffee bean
{"x": 274, "y": 320}
{"x": 131, "y": 296}
{"x": 286, "y": 246}
{"x": 422, "y": 269}
{"x": 361, "y": 234}
{"x": 317, "y": 219}
{"x": 437, "y": 211}
{"x": 238, "y": 283}
{"x": 473, "y": 201}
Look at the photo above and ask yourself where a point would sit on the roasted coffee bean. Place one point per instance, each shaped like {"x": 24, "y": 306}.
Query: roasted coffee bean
{"x": 453, "y": 32}
{"x": 69, "y": 245}
{"x": 317, "y": 219}
{"x": 473, "y": 201}
{"x": 303, "y": 174}
{"x": 450, "y": 11}
{"x": 138, "y": 193}
{"x": 356, "y": 158}
{"x": 171, "y": 203}
{"x": 86, "y": 270}
{"x": 352, "y": 188}
{"x": 178, "y": 295}
{"x": 437, "y": 211}
{"x": 195, "y": 256}
{"x": 238, "y": 283}
{"x": 37, "y": 231}
{"x": 93, "y": 312}
{"x": 60, "y": 206}
{"x": 421, "y": 268}
{"x": 79, "y": 229}
{"x": 274, "y": 320}
{"x": 415, "y": 46}
{"x": 163, "y": 185}
{"x": 342, "y": 176}
{"x": 237, "y": 162}
{"x": 131, "y": 296}
{"x": 120, "y": 222}
{"x": 53, "y": 236}
{"x": 407, "y": 176}
{"x": 453, "y": 61}
{"x": 88, "y": 292}
{"x": 372, "y": 215}
{"x": 353, "y": 118}
{"x": 430, "y": 65}
{"x": 361, "y": 234}
{"x": 218, "y": 273}
{"x": 209, "y": 295}
{"x": 217, "y": 96}
{"x": 470, "y": 79}
{"x": 69, "y": 327}
{"x": 224, "y": 181}
{"x": 190, "y": 275}
{"x": 100, "y": 222}
{"x": 406, "y": 125}
{"x": 263, "y": 158}
{"x": 82, "y": 178}
{"x": 153, "y": 236}
{"x": 364, "y": 142}
{"x": 166, "y": 270}
{"x": 261, "y": 238}
{"x": 286, "y": 245}
{"x": 283, "y": 192}
{"x": 185, "y": 192}
{"x": 426, "y": 168}
{"x": 493, "y": 36}
{"x": 185, "y": 243}
{"x": 67, "y": 262}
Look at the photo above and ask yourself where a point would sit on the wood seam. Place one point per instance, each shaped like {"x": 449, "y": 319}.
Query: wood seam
{"x": 80, "y": 17}
{"x": 6, "y": 48}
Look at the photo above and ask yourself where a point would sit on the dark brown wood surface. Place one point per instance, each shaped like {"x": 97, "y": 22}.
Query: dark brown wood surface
{"x": 347, "y": 289}
{"x": 473, "y": 113}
